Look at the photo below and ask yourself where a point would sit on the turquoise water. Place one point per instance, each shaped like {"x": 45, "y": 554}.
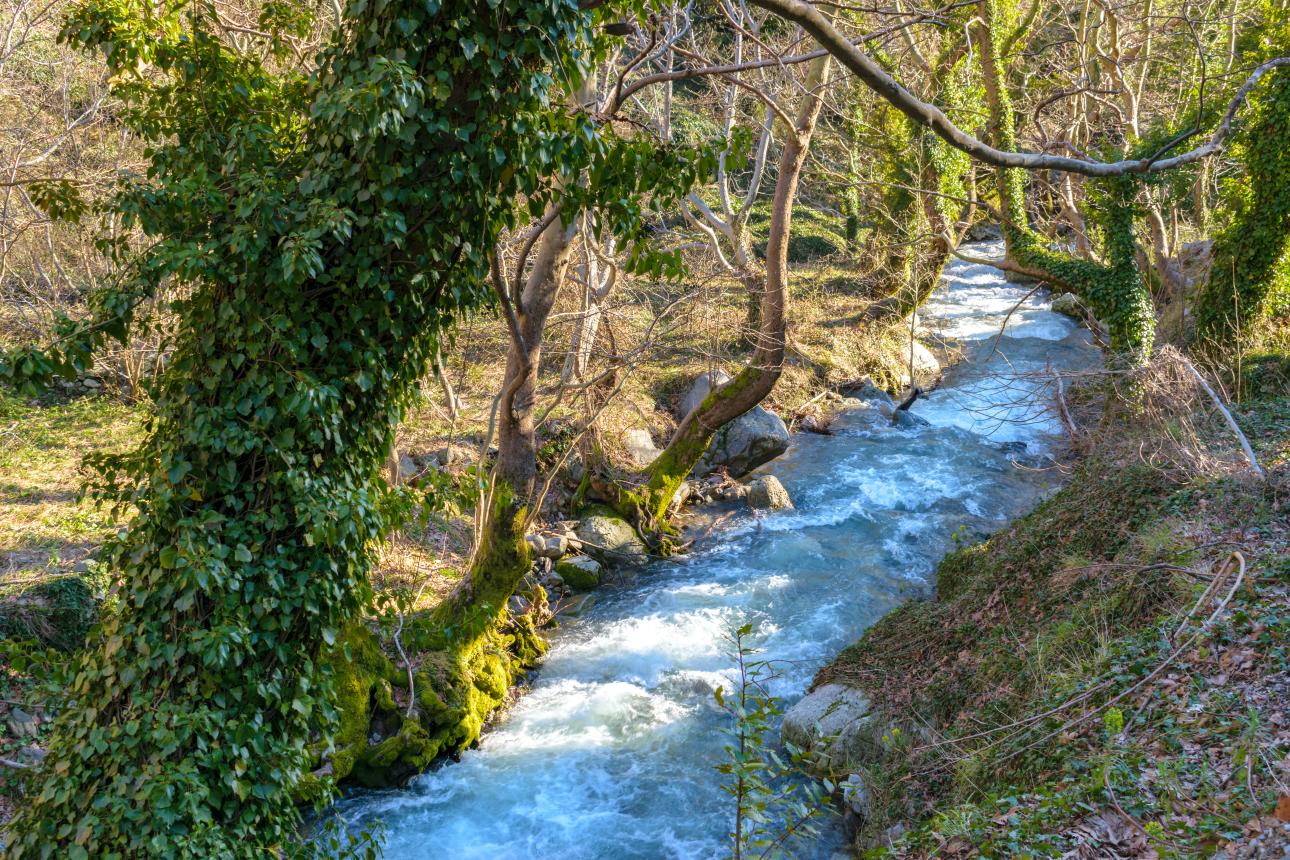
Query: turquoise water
{"x": 611, "y": 754}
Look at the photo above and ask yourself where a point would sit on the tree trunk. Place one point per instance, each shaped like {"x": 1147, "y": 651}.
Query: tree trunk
{"x": 1116, "y": 291}
{"x": 727, "y": 402}
{"x": 502, "y": 555}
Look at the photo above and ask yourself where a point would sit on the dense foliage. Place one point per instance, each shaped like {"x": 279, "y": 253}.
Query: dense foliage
{"x": 1250, "y": 276}
{"x": 324, "y": 229}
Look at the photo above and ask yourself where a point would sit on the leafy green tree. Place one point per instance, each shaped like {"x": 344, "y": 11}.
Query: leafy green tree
{"x": 324, "y": 228}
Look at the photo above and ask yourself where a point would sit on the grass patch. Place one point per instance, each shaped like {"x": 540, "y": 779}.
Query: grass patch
{"x": 1056, "y": 696}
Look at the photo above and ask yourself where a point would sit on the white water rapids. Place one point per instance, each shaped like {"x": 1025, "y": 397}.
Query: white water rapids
{"x": 612, "y": 752}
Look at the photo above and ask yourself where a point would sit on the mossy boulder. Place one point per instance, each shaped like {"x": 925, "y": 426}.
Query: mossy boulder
{"x": 579, "y": 572}
{"x": 610, "y": 538}
{"x": 816, "y": 234}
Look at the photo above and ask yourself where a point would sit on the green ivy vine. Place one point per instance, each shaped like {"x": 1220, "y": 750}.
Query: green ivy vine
{"x": 1249, "y": 279}
{"x": 325, "y": 227}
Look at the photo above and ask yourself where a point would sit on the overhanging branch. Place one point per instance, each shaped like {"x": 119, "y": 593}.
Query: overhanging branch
{"x": 924, "y": 113}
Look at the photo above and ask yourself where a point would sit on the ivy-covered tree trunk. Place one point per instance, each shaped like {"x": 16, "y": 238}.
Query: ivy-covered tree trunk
{"x": 929, "y": 203}
{"x": 1115, "y": 291}
{"x": 751, "y": 385}
{"x": 1249, "y": 279}
{"x": 327, "y": 228}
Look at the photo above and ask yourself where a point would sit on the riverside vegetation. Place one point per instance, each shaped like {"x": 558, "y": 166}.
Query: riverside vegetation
{"x": 348, "y": 348}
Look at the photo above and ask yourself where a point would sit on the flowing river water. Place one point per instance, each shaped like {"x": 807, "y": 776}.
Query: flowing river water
{"x": 612, "y": 751}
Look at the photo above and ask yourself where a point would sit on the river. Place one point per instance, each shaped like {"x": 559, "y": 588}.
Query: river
{"x": 611, "y": 754}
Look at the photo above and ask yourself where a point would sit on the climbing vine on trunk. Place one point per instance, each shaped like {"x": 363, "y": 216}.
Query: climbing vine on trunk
{"x": 1249, "y": 280}
{"x": 326, "y": 227}
{"x": 1115, "y": 290}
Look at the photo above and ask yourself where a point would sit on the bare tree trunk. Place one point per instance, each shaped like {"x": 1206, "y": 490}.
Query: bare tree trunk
{"x": 727, "y": 402}
{"x": 501, "y": 555}
{"x": 597, "y": 276}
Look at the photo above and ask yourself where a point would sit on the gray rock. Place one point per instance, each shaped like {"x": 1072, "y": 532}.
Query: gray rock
{"x": 907, "y": 420}
{"x": 833, "y": 726}
{"x": 982, "y": 231}
{"x": 1068, "y": 305}
{"x": 866, "y": 391}
{"x": 548, "y": 546}
{"x": 767, "y": 493}
{"x": 31, "y": 755}
{"x": 756, "y": 437}
{"x": 640, "y": 447}
{"x": 699, "y": 389}
{"x": 574, "y": 469}
{"x": 406, "y": 469}
{"x": 517, "y": 605}
{"x": 927, "y": 367}
{"x": 579, "y": 572}
{"x": 21, "y": 723}
{"x": 455, "y": 455}
{"x": 610, "y": 538}
{"x": 684, "y": 493}
{"x": 576, "y": 605}
{"x": 751, "y": 440}
{"x": 855, "y": 794}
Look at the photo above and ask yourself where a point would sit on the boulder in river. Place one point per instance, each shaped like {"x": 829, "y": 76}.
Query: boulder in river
{"x": 834, "y": 726}
{"x": 754, "y": 438}
{"x": 907, "y": 420}
{"x": 767, "y": 493}
{"x": 610, "y": 538}
{"x": 865, "y": 390}
{"x": 579, "y": 572}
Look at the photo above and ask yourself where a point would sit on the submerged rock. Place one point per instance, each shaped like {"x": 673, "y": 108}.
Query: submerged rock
{"x": 579, "y": 572}
{"x": 767, "y": 493}
{"x": 907, "y": 420}
{"x": 833, "y": 725}
{"x": 610, "y": 538}
{"x": 1068, "y": 305}
{"x": 576, "y": 605}
{"x": 865, "y": 391}
{"x": 751, "y": 440}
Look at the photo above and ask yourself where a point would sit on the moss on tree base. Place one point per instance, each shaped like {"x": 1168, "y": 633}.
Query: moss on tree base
{"x": 381, "y": 741}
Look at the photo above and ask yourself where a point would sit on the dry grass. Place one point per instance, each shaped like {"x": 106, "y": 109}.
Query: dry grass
{"x": 44, "y": 528}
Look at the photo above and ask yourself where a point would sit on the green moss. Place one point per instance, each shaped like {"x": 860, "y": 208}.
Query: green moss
{"x": 670, "y": 468}
{"x": 816, "y": 235}
{"x": 577, "y": 577}
{"x": 1249, "y": 279}
{"x": 456, "y": 692}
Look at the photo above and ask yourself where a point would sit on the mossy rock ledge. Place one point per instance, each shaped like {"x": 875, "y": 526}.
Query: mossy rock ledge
{"x": 391, "y": 729}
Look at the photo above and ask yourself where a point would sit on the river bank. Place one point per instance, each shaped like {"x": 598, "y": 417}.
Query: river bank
{"x": 617, "y": 739}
